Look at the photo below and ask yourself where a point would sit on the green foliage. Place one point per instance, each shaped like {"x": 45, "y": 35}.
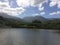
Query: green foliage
{"x": 53, "y": 24}
{"x": 36, "y": 21}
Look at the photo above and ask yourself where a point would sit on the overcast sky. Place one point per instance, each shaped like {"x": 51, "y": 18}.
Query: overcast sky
{"x": 23, "y": 8}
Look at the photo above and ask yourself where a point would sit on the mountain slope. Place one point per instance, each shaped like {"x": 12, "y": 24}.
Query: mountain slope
{"x": 4, "y": 15}
{"x": 32, "y": 18}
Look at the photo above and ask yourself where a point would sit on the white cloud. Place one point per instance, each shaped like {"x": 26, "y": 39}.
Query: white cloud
{"x": 4, "y": 5}
{"x": 52, "y": 4}
{"x": 41, "y": 8}
{"x": 35, "y": 14}
{"x": 23, "y": 3}
{"x": 42, "y": 13}
{"x": 26, "y": 3}
{"x": 37, "y": 2}
{"x": 14, "y": 11}
{"x": 11, "y": 3}
{"x": 5, "y": 8}
{"x": 55, "y": 13}
{"x": 59, "y": 4}
{"x": 55, "y": 2}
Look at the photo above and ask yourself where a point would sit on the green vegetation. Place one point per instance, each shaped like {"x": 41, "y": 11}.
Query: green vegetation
{"x": 52, "y": 24}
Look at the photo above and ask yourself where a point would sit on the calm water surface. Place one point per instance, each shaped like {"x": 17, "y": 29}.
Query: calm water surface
{"x": 29, "y": 37}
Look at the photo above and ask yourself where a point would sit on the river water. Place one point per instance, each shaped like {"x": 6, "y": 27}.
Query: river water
{"x": 29, "y": 37}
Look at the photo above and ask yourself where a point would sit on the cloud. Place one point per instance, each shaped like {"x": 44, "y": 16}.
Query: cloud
{"x": 41, "y": 8}
{"x": 14, "y": 11}
{"x": 40, "y": 1}
{"x": 4, "y": 5}
{"x": 12, "y": 3}
{"x": 59, "y": 4}
{"x": 54, "y": 2}
{"x": 35, "y": 14}
{"x": 26, "y": 3}
{"x": 5, "y": 8}
{"x": 55, "y": 13}
{"x": 23, "y": 3}
{"x": 42, "y": 13}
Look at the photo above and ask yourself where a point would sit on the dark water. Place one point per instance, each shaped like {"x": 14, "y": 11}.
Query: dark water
{"x": 29, "y": 37}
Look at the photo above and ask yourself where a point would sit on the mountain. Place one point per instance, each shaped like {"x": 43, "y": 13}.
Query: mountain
{"x": 53, "y": 18}
{"x": 9, "y": 21}
{"x": 4, "y": 15}
{"x": 32, "y": 18}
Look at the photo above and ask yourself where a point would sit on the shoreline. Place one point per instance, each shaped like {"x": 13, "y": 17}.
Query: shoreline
{"x": 28, "y": 28}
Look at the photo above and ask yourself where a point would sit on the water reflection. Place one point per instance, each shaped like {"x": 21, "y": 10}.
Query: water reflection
{"x": 29, "y": 37}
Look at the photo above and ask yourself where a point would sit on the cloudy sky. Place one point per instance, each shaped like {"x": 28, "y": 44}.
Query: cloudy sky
{"x": 23, "y": 8}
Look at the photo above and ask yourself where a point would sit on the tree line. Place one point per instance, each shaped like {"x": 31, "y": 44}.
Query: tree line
{"x": 51, "y": 24}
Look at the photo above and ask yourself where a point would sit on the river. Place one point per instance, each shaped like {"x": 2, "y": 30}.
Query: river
{"x": 29, "y": 37}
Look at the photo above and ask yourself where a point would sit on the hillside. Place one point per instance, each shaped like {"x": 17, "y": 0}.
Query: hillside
{"x": 32, "y": 18}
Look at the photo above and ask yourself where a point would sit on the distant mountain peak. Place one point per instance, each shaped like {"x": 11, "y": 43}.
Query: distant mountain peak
{"x": 32, "y": 18}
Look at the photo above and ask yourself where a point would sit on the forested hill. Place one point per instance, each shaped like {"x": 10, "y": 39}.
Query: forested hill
{"x": 7, "y": 22}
